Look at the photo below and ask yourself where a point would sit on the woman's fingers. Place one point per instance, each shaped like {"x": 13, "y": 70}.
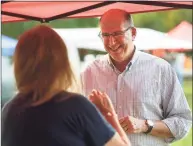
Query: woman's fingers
{"x": 101, "y": 100}
{"x": 95, "y": 97}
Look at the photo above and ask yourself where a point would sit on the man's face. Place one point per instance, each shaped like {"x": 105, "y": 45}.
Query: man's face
{"x": 119, "y": 43}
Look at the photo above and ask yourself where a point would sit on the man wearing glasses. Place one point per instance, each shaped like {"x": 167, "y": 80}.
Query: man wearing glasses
{"x": 144, "y": 89}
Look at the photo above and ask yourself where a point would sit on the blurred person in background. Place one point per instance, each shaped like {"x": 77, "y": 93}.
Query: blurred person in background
{"x": 46, "y": 112}
{"x": 179, "y": 67}
{"x": 143, "y": 88}
{"x": 176, "y": 60}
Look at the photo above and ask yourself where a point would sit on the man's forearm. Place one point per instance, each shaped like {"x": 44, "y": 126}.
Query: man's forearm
{"x": 160, "y": 129}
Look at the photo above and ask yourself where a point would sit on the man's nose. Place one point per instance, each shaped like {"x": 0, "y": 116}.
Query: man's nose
{"x": 112, "y": 40}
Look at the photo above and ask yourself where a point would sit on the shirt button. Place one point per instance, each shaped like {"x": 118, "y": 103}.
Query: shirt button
{"x": 120, "y": 107}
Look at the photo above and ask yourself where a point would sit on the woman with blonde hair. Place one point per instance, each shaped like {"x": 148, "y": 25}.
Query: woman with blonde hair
{"x": 45, "y": 112}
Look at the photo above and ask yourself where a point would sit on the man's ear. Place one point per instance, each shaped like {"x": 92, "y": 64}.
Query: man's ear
{"x": 134, "y": 33}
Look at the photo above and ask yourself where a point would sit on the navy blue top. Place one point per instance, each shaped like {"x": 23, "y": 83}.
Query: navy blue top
{"x": 67, "y": 120}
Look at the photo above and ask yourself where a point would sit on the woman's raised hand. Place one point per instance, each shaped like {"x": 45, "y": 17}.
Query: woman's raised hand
{"x": 102, "y": 102}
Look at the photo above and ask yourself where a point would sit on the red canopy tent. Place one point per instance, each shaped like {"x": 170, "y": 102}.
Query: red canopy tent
{"x": 183, "y": 31}
{"x": 13, "y": 11}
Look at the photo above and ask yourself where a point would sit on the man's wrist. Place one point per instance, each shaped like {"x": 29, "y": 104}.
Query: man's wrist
{"x": 144, "y": 126}
{"x": 150, "y": 125}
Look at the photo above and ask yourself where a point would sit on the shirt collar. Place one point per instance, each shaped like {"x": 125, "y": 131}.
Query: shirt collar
{"x": 129, "y": 65}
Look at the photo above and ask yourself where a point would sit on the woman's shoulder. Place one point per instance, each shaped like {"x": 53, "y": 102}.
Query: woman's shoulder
{"x": 65, "y": 96}
{"x": 72, "y": 105}
{"x": 10, "y": 104}
{"x": 70, "y": 98}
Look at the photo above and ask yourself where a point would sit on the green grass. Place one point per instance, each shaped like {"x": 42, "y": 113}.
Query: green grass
{"x": 186, "y": 141}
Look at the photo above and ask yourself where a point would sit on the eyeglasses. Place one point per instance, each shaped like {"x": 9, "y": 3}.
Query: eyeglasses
{"x": 114, "y": 34}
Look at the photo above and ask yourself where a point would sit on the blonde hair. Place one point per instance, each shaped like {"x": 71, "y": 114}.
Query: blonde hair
{"x": 41, "y": 65}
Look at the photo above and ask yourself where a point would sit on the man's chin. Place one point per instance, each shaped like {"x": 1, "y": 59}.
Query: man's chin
{"x": 118, "y": 59}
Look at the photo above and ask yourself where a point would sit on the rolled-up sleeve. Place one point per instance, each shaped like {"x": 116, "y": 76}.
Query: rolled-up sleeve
{"x": 177, "y": 113}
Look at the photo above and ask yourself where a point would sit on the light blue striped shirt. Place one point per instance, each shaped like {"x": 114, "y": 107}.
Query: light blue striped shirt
{"x": 147, "y": 89}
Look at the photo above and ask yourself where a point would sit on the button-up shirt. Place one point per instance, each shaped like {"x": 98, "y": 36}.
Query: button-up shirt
{"x": 147, "y": 89}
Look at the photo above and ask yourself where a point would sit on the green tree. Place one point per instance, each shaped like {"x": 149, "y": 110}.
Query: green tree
{"x": 163, "y": 20}
{"x": 12, "y": 29}
{"x": 17, "y": 28}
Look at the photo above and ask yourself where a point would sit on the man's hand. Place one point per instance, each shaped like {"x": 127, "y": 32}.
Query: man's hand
{"x": 132, "y": 125}
{"x": 102, "y": 102}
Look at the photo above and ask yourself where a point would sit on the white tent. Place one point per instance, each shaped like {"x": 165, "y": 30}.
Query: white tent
{"x": 149, "y": 39}
{"x": 146, "y": 39}
{"x": 82, "y": 37}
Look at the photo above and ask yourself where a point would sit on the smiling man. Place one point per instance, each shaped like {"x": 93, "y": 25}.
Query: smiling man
{"x": 117, "y": 35}
{"x": 144, "y": 89}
